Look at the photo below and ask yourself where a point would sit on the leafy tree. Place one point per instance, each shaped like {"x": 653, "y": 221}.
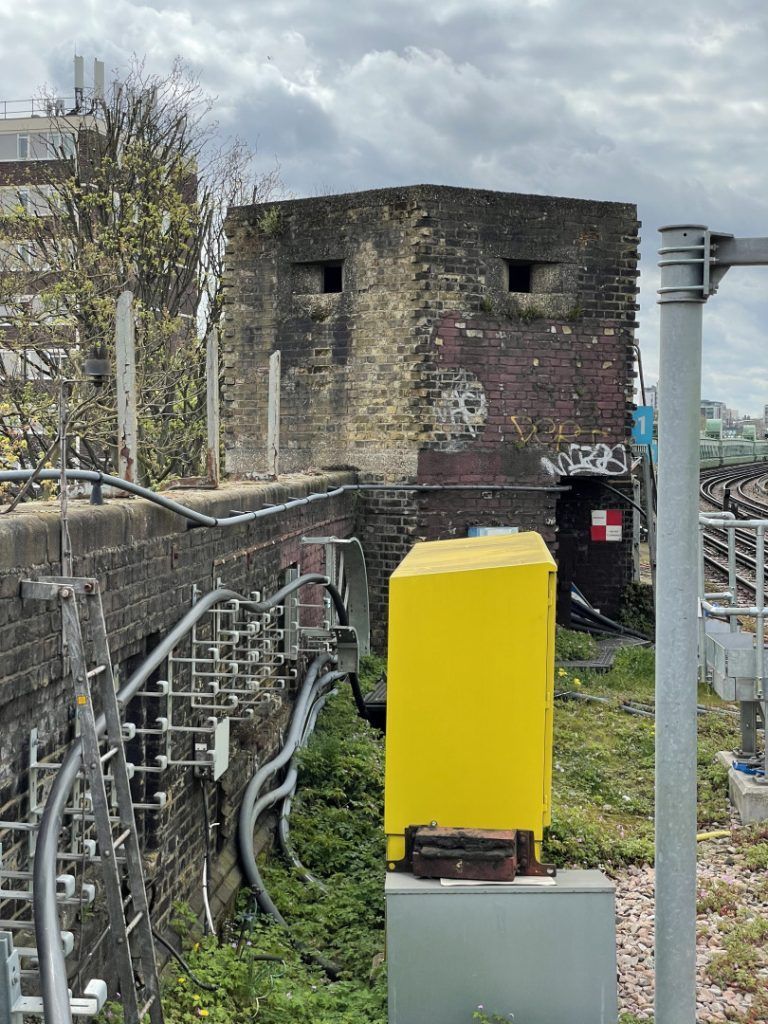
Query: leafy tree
{"x": 132, "y": 196}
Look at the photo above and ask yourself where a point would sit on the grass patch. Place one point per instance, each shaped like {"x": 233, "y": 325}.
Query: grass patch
{"x": 571, "y": 645}
{"x": 603, "y": 773}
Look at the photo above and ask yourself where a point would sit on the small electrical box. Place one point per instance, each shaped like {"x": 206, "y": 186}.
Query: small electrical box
{"x": 214, "y": 760}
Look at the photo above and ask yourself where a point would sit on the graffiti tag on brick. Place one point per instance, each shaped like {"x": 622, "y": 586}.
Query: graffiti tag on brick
{"x": 547, "y": 430}
{"x": 462, "y": 406}
{"x": 589, "y": 459}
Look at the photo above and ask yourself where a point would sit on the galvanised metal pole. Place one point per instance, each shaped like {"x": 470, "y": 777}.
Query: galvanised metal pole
{"x": 681, "y": 296}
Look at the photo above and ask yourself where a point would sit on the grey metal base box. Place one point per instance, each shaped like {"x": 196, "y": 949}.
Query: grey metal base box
{"x": 545, "y": 954}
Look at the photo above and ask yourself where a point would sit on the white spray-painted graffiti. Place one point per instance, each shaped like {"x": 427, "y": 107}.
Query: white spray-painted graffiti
{"x": 593, "y": 459}
{"x": 462, "y": 407}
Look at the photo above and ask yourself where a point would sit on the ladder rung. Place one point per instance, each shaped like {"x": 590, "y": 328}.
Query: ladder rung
{"x": 121, "y": 839}
{"x": 134, "y": 922}
{"x": 146, "y": 1007}
{"x": 96, "y": 671}
{"x": 108, "y": 755}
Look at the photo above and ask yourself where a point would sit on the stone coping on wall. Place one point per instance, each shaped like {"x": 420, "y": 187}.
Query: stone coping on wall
{"x": 30, "y": 535}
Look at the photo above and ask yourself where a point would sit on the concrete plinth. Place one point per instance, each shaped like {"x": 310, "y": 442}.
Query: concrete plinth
{"x": 748, "y": 794}
{"x": 545, "y": 955}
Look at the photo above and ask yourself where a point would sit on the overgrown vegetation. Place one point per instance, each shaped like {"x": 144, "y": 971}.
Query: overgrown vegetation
{"x": 131, "y": 196}
{"x": 570, "y": 645}
{"x": 603, "y": 815}
{"x": 603, "y": 766}
{"x": 745, "y": 951}
{"x": 637, "y": 609}
{"x": 336, "y": 825}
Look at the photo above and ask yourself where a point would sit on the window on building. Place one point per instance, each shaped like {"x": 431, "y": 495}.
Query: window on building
{"x": 37, "y": 145}
{"x": 519, "y": 276}
{"x": 324, "y": 278}
{"x": 529, "y": 277}
{"x": 62, "y": 145}
{"x": 8, "y": 146}
{"x": 332, "y": 277}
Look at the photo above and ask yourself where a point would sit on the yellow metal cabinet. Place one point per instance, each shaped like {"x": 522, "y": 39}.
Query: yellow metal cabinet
{"x": 469, "y": 686}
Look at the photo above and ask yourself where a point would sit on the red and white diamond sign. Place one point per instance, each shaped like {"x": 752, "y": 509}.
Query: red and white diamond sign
{"x": 606, "y": 524}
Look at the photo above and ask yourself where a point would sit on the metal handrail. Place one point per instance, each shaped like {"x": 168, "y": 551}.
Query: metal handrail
{"x": 50, "y": 107}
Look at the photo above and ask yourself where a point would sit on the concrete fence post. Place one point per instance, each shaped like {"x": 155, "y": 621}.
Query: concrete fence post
{"x": 212, "y": 461}
{"x": 127, "y": 399}
{"x": 273, "y": 416}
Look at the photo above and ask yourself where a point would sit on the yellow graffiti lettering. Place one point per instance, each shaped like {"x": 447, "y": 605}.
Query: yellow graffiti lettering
{"x": 553, "y": 432}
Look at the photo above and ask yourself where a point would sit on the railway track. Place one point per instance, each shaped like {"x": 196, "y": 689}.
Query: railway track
{"x": 744, "y": 506}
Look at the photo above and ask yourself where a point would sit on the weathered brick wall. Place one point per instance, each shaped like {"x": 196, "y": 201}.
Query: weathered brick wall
{"x": 388, "y": 529}
{"x": 426, "y": 368}
{"x": 148, "y": 561}
{"x": 425, "y": 347}
{"x": 350, "y": 373}
{"x": 392, "y": 521}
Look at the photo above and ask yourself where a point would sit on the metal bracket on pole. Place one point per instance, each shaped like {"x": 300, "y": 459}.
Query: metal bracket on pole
{"x": 694, "y": 262}
{"x": 345, "y": 567}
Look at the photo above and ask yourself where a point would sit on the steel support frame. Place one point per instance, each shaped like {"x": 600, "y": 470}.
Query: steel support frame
{"x": 694, "y": 260}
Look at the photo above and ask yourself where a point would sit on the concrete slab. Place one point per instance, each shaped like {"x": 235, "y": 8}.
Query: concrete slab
{"x": 748, "y": 794}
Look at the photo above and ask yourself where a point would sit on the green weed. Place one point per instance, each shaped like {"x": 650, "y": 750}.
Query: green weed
{"x": 756, "y": 857}
{"x": 336, "y": 826}
{"x": 570, "y": 645}
{"x": 603, "y": 773}
{"x": 744, "y": 951}
{"x": 717, "y": 897}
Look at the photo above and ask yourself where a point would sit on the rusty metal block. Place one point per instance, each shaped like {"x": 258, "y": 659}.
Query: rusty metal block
{"x": 488, "y": 855}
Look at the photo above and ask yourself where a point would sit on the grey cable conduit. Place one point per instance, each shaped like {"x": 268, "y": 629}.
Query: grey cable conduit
{"x": 288, "y": 785}
{"x": 53, "y": 971}
{"x": 283, "y": 828}
{"x": 249, "y": 808}
{"x": 200, "y": 519}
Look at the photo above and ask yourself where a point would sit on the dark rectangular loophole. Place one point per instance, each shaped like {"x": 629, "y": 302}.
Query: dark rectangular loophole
{"x": 332, "y": 277}
{"x": 519, "y": 279}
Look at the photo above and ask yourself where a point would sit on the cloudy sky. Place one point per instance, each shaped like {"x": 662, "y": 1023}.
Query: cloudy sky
{"x": 660, "y": 103}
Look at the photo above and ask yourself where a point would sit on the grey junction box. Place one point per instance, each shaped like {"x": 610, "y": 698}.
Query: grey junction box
{"x": 539, "y": 954}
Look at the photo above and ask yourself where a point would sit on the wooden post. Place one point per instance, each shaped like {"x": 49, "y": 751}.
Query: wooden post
{"x": 125, "y": 359}
{"x": 273, "y": 416}
{"x": 212, "y": 463}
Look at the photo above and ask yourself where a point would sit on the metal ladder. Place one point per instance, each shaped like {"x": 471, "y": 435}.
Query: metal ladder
{"x": 121, "y": 862}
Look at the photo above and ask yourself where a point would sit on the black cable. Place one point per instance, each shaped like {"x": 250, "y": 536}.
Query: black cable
{"x": 625, "y": 497}
{"x": 177, "y": 956}
{"x": 590, "y": 615}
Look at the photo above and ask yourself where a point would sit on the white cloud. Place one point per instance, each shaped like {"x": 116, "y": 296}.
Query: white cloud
{"x": 662, "y": 105}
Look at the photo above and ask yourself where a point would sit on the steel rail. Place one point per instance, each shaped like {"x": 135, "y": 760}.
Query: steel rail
{"x": 739, "y": 476}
